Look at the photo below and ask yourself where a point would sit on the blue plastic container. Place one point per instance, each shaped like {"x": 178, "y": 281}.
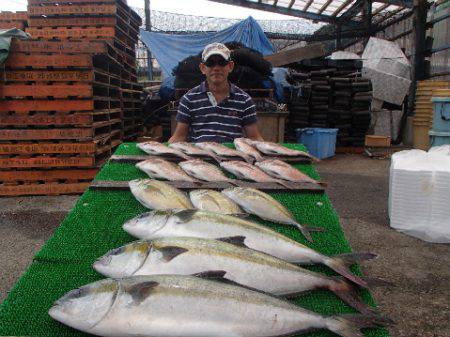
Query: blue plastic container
{"x": 441, "y": 114}
{"x": 439, "y": 138}
{"x": 320, "y": 142}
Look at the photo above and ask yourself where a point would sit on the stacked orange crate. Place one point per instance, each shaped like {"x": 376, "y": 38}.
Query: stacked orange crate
{"x": 60, "y": 115}
{"x": 10, "y": 20}
{"x": 109, "y": 20}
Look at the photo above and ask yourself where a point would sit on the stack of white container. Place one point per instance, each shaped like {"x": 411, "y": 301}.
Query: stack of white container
{"x": 419, "y": 193}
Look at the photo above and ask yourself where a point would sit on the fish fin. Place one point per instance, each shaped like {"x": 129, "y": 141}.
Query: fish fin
{"x": 234, "y": 240}
{"x": 348, "y": 293}
{"x": 185, "y": 215}
{"x": 351, "y": 258}
{"x": 211, "y": 274}
{"x": 307, "y": 229}
{"x": 171, "y": 252}
{"x": 140, "y": 291}
{"x": 349, "y": 325}
{"x": 340, "y": 263}
{"x": 284, "y": 183}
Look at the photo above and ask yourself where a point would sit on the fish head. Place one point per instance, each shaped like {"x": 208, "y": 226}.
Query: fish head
{"x": 146, "y": 225}
{"x": 85, "y": 307}
{"x": 123, "y": 261}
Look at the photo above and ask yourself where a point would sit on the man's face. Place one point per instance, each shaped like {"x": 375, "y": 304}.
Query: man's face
{"x": 216, "y": 69}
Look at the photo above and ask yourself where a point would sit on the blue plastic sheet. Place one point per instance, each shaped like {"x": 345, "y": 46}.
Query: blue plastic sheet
{"x": 170, "y": 49}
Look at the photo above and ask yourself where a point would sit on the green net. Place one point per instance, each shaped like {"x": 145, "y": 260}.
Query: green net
{"x": 95, "y": 226}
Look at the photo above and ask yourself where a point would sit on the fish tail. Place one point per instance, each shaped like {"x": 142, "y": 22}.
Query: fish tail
{"x": 259, "y": 157}
{"x": 348, "y": 293}
{"x": 248, "y": 159}
{"x": 340, "y": 264}
{"x": 284, "y": 183}
{"x": 305, "y": 229}
{"x": 350, "y": 325}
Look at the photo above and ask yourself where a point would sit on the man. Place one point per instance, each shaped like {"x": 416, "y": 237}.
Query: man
{"x": 216, "y": 110}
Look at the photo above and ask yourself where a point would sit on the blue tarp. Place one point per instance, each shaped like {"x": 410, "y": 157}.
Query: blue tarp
{"x": 170, "y": 49}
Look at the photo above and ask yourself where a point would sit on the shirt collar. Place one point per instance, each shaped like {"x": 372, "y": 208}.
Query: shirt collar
{"x": 204, "y": 88}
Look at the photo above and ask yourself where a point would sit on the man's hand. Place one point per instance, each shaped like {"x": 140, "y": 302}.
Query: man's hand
{"x": 252, "y": 132}
{"x": 180, "y": 134}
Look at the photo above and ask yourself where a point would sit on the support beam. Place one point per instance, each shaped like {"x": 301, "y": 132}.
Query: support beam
{"x": 148, "y": 27}
{"x": 418, "y": 58}
{"x": 389, "y": 15}
{"x": 291, "y": 4}
{"x": 325, "y": 5}
{"x": 286, "y": 11}
{"x": 275, "y": 3}
{"x": 352, "y": 11}
{"x": 401, "y": 3}
{"x": 380, "y": 9}
{"x": 341, "y": 7}
{"x": 309, "y": 3}
{"x": 367, "y": 11}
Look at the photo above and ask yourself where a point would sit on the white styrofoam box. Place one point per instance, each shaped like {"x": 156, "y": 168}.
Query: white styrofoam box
{"x": 419, "y": 193}
{"x": 391, "y": 66}
{"x": 344, "y": 55}
{"x": 377, "y": 48}
{"x": 387, "y": 87}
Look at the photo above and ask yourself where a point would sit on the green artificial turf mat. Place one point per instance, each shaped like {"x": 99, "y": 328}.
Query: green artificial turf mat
{"x": 95, "y": 226}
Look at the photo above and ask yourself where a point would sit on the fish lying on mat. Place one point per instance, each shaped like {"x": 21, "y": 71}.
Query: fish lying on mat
{"x": 248, "y": 171}
{"x": 155, "y": 194}
{"x": 210, "y": 225}
{"x": 187, "y": 256}
{"x": 192, "y": 150}
{"x": 158, "y": 149}
{"x": 223, "y": 151}
{"x": 210, "y": 200}
{"x": 263, "y": 205}
{"x": 202, "y": 170}
{"x": 159, "y": 168}
{"x": 188, "y": 306}
{"x": 275, "y": 149}
{"x": 244, "y": 145}
{"x": 282, "y": 170}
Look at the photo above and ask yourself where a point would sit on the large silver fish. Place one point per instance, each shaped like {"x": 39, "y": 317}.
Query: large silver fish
{"x": 248, "y": 171}
{"x": 192, "y": 150}
{"x": 244, "y": 145}
{"x": 263, "y": 205}
{"x": 223, "y": 151}
{"x": 155, "y": 194}
{"x": 270, "y": 148}
{"x": 282, "y": 170}
{"x": 209, "y": 225}
{"x": 202, "y": 170}
{"x": 188, "y": 256}
{"x": 210, "y": 200}
{"x": 158, "y": 149}
{"x": 188, "y": 306}
{"x": 159, "y": 168}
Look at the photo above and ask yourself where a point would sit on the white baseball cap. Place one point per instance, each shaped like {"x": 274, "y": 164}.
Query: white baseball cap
{"x": 216, "y": 48}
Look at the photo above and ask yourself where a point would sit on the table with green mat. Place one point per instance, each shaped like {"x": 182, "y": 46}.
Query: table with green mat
{"x": 94, "y": 227}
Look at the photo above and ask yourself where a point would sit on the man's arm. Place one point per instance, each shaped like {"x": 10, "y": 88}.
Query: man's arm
{"x": 252, "y": 132}
{"x": 183, "y": 120}
{"x": 180, "y": 134}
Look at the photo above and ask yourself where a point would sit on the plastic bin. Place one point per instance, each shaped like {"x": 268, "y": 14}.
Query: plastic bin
{"x": 320, "y": 142}
{"x": 441, "y": 114}
{"x": 439, "y": 138}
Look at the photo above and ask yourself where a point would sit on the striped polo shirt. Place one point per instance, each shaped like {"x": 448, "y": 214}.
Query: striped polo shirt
{"x": 212, "y": 122}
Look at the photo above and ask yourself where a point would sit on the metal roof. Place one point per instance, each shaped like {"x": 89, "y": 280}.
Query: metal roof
{"x": 345, "y": 12}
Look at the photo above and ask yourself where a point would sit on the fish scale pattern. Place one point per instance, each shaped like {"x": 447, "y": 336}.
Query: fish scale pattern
{"x": 94, "y": 227}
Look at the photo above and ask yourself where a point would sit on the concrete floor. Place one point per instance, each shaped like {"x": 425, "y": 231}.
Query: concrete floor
{"x": 358, "y": 187}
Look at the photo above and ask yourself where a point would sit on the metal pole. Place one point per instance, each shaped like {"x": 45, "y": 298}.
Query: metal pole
{"x": 367, "y": 10}
{"x": 148, "y": 28}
